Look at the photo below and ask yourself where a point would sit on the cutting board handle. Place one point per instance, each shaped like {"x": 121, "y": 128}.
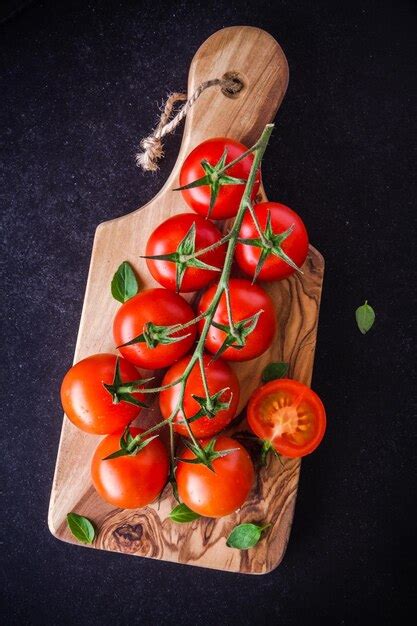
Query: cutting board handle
{"x": 257, "y": 59}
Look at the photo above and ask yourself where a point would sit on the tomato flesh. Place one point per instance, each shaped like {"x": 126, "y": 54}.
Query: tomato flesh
{"x": 166, "y": 238}
{"x": 289, "y": 415}
{"x": 219, "y": 376}
{"x": 133, "y": 481}
{"x": 245, "y": 301}
{"x": 88, "y": 404}
{"x": 229, "y": 197}
{"x": 295, "y": 245}
{"x": 218, "y": 493}
{"x": 163, "y": 308}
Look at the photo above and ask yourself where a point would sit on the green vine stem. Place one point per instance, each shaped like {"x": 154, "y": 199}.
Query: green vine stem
{"x": 257, "y": 225}
{"x": 231, "y": 239}
{"x": 213, "y": 246}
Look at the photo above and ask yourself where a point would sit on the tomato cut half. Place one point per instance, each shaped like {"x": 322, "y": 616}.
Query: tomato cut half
{"x": 289, "y": 415}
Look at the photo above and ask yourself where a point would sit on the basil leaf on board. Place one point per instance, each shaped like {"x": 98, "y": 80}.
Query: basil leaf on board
{"x": 124, "y": 284}
{"x": 245, "y": 536}
{"x": 81, "y": 528}
{"x": 273, "y": 371}
{"x": 181, "y": 514}
{"x": 365, "y": 317}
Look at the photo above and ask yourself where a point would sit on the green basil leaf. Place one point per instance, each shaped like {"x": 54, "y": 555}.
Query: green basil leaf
{"x": 365, "y": 317}
{"x": 245, "y": 536}
{"x": 124, "y": 284}
{"x": 181, "y": 514}
{"x": 274, "y": 371}
{"x": 81, "y": 528}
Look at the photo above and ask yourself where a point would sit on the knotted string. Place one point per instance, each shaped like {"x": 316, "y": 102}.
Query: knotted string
{"x": 152, "y": 148}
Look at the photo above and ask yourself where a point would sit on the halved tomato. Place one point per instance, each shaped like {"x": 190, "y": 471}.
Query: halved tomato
{"x": 289, "y": 415}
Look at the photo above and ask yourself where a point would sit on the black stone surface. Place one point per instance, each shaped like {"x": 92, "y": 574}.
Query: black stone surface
{"x": 80, "y": 84}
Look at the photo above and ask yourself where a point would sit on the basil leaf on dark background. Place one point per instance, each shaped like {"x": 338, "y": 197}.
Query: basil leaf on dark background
{"x": 365, "y": 317}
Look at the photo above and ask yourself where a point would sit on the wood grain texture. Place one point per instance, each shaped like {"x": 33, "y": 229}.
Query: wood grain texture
{"x": 258, "y": 58}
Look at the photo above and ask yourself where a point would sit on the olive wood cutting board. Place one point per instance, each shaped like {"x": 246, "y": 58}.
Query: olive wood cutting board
{"x": 148, "y": 532}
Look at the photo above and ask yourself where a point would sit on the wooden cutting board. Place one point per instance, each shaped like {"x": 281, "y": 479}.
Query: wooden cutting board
{"x": 262, "y": 65}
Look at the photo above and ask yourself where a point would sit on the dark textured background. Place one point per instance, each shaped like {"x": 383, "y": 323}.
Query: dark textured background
{"x": 80, "y": 83}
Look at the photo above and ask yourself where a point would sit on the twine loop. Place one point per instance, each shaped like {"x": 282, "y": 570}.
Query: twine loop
{"x": 152, "y": 148}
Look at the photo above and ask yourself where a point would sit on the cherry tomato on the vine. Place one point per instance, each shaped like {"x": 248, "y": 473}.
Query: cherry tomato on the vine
{"x": 132, "y": 481}
{"x": 287, "y": 240}
{"x": 154, "y": 308}
{"x": 221, "y": 192}
{"x": 289, "y": 415}
{"x": 220, "y": 377}
{"x": 222, "y": 490}
{"x": 88, "y": 404}
{"x": 254, "y": 331}
{"x": 178, "y": 237}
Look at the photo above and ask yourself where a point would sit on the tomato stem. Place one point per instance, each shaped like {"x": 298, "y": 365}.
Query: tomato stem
{"x": 258, "y": 149}
{"x": 257, "y": 224}
{"x": 133, "y": 387}
{"x": 231, "y": 239}
{"x": 205, "y": 383}
{"x": 213, "y": 246}
{"x": 246, "y": 153}
{"x": 176, "y": 328}
{"x": 229, "y": 314}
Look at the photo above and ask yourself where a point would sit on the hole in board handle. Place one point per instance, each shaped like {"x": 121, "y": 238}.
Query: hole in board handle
{"x": 236, "y": 84}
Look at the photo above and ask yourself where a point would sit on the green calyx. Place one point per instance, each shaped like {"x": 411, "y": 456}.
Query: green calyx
{"x": 237, "y": 333}
{"x": 271, "y": 243}
{"x": 154, "y": 335}
{"x": 267, "y": 448}
{"x": 211, "y": 404}
{"x": 129, "y": 446}
{"x": 205, "y": 455}
{"x": 173, "y": 481}
{"x": 121, "y": 394}
{"x": 215, "y": 178}
{"x": 184, "y": 257}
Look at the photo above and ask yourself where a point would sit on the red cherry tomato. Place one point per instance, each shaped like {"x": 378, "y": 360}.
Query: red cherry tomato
{"x": 133, "y": 481}
{"x": 166, "y": 239}
{"x": 295, "y": 245}
{"x": 289, "y": 415}
{"x": 163, "y": 308}
{"x": 229, "y": 195}
{"x": 88, "y": 404}
{"x": 245, "y": 300}
{"x": 219, "y": 492}
{"x": 219, "y": 376}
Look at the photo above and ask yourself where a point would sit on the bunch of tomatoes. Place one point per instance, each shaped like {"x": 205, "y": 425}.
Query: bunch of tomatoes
{"x": 235, "y": 320}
